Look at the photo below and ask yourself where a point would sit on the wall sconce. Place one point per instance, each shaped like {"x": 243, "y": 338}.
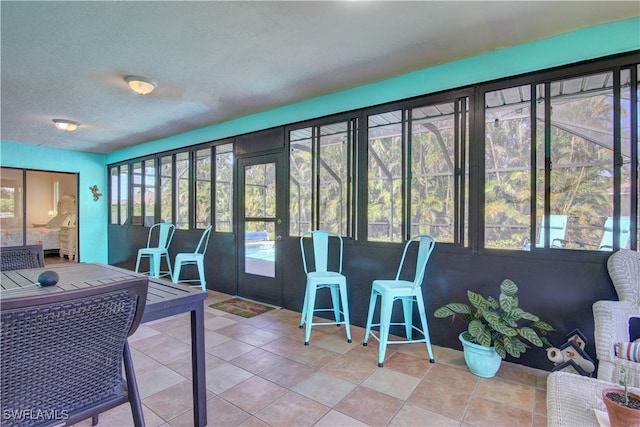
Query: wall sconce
{"x": 94, "y": 191}
{"x": 140, "y": 85}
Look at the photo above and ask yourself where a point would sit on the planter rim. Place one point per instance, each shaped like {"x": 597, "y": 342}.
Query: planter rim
{"x": 619, "y": 390}
{"x": 471, "y": 343}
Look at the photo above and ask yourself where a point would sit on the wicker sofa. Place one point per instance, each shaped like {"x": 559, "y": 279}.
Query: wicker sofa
{"x": 611, "y": 318}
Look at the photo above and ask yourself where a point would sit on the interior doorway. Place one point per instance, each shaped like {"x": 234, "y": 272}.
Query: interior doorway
{"x": 40, "y": 207}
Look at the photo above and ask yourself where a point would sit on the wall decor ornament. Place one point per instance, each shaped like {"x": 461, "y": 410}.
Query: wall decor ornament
{"x": 94, "y": 190}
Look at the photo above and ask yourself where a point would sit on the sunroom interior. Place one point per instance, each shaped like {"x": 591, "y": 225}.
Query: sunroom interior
{"x": 478, "y": 156}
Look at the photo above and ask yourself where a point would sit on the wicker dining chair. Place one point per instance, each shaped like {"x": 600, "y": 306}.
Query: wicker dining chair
{"x": 20, "y": 257}
{"x": 62, "y": 354}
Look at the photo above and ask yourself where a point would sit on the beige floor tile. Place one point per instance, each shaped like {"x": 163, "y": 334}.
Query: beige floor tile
{"x": 413, "y": 415}
{"x": 336, "y": 341}
{"x": 287, "y": 373}
{"x": 507, "y": 392}
{"x": 337, "y": 419}
{"x": 230, "y": 349}
{"x": 172, "y": 401}
{"x": 484, "y": 412}
{"x": 259, "y": 373}
{"x": 257, "y": 360}
{"x": 259, "y": 337}
{"x": 369, "y": 406}
{"x": 517, "y": 373}
{"x": 393, "y": 383}
{"x": 314, "y": 356}
{"x": 253, "y": 394}
{"x": 184, "y": 366}
{"x": 442, "y": 397}
{"x": 219, "y": 413}
{"x": 324, "y": 388}
{"x": 293, "y": 410}
{"x": 225, "y": 376}
{"x": 157, "y": 380}
{"x": 408, "y": 364}
{"x": 218, "y": 322}
{"x": 350, "y": 368}
{"x": 284, "y": 346}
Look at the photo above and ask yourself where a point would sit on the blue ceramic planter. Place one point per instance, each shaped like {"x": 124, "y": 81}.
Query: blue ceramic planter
{"x": 481, "y": 361}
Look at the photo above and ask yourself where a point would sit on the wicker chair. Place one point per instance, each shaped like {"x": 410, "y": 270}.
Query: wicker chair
{"x": 611, "y": 318}
{"x": 572, "y": 398}
{"x": 62, "y": 354}
{"x": 19, "y": 257}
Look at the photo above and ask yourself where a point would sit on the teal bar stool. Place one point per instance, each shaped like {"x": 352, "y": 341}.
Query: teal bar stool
{"x": 409, "y": 292}
{"x": 161, "y": 234}
{"x": 193, "y": 258}
{"x": 321, "y": 278}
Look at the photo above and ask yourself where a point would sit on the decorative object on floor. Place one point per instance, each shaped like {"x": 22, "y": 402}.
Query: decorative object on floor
{"x": 242, "y": 307}
{"x": 500, "y": 324}
{"x": 571, "y": 356}
{"x": 94, "y": 191}
{"x": 623, "y": 406}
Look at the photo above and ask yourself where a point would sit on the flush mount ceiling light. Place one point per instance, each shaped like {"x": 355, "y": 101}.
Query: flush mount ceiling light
{"x": 67, "y": 125}
{"x": 140, "y": 85}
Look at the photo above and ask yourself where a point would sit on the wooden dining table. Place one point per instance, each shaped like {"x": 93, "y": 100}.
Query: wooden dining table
{"x": 164, "y": 299}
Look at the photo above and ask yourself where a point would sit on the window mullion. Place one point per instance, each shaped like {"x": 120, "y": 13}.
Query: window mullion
{"x": 547, "y": 164}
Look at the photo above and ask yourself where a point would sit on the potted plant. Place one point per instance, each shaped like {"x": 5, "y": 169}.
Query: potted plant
{"x": 623, "y": 407}
{"x": 495, "y": 328}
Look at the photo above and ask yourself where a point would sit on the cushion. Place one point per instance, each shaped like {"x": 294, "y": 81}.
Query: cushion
{"x": 634, "y": 328}
{"x": 628, "y": 351}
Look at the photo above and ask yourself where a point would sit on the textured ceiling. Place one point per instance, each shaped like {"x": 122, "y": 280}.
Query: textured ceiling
{"x": 215, "y": 61}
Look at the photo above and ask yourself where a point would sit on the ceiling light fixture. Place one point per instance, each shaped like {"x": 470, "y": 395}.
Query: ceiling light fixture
{"x": 67, "y": 125}
{"x": 140, "y": 85}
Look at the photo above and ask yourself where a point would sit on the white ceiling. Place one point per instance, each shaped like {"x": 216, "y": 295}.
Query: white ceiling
{"x": 214, "y": 61}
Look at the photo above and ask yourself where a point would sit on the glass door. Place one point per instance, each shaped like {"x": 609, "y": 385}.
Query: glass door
{"x": 260, "y": 228}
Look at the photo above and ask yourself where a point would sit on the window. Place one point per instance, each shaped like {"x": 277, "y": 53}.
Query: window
{"x": 224, "y": 188}
{"x": 124, "y": 194}
{"x": 166, "y": 189}
{"x": 113, "y": 187}
{"x": 181, "y": 200}
{"x": 507, "y": 167}
{"x": 438, "y": 144}
{"x": 136, "y": 193}
{"x": 418, "y": 172}
{"x": 149, "y": 189}
{"x": 321, "y": 178}
{"x": 203, "y": 188}
{"x": 564, "y": 141}
{"x": 385, "y": 177}
{"x": 300, "y": 181}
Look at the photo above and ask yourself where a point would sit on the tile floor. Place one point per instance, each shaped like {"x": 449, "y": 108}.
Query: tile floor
{"x": 259, "y": 373}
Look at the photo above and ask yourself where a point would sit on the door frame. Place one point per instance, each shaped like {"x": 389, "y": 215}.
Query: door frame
{"x": 251, "y": 286}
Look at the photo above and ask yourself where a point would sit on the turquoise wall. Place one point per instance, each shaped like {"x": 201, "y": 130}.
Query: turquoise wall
{"x": 589, "y": 43}
{"x": 581, "y": 45}
{"x": 92, "y": 216}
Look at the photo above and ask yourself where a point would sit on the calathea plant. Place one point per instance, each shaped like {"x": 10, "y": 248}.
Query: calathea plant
{"x": 500, "y": 323}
